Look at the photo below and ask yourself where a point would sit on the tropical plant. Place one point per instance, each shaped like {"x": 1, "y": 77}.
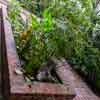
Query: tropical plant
{"x": 67, "y": 28}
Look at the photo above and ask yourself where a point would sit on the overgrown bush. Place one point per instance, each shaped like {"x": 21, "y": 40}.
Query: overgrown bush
{"x": 67, "y": 28}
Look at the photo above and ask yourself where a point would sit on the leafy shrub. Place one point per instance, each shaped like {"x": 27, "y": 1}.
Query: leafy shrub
{"x": 33, "y": 38}
{"x": 66, "y": 28}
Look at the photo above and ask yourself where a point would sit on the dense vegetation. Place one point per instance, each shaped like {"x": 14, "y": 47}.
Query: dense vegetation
{"x": 35, "y": 6}
{"x": 68, "y": 28}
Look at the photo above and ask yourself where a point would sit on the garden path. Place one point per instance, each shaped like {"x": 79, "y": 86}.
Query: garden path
{"x": 83, "y": 92}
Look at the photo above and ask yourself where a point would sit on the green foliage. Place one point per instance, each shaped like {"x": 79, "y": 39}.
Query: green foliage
{"x": 31, "y": 5}
{"x": 32, "y": 38}
{"x": 34, "y": 6}
{"x": 67, "y": 28}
